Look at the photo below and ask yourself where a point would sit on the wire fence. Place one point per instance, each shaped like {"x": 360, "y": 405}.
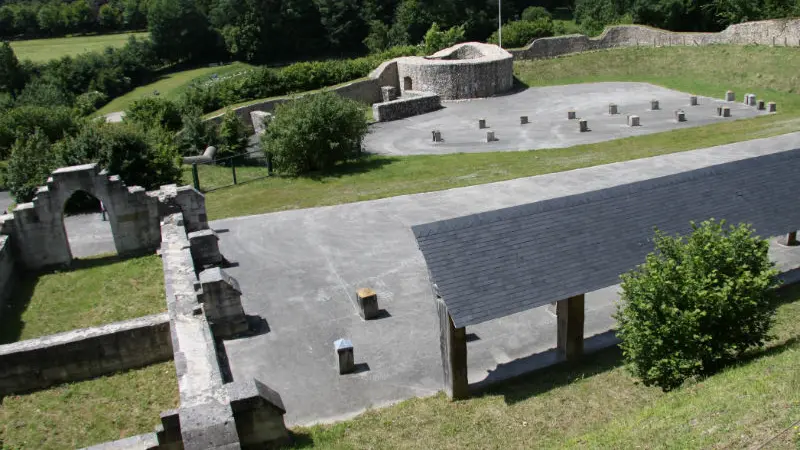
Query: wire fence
{"x": 230, "y": 171}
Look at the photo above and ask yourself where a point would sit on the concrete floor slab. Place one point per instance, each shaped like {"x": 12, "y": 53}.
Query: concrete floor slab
{"x": 299, "y": 270}
{"x": 549, "y": 127}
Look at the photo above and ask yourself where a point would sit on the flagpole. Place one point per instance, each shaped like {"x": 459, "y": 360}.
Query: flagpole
{"x": 500, "y": 23}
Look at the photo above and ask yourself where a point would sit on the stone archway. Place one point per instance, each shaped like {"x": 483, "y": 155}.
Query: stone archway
{"x": 87, "y": 226}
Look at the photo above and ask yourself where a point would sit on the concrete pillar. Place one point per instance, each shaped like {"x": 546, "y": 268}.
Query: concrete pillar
{"x": 761, "y": 105}
{"x": 388, "y": 93}
{"x": 367, "y": 303}
{"x": 205, "y": 248}
{"x": 570, "y": 317}
{"x": 654, "y": 105}
{"x": 680, "y": 115}
{"x": 730, "y": 96}
{"x": 772, "y": 107}
{"x": 633, "y": 121}
{"x": 583, "y": 125}
{"x": 791, "y": 239}
{"x": 612, "y": 109}
{"x": 437, "y": 135}
{"x": 344, "y": 356}
{"x": 571, "y": 115}
{"x": 481, "y": 123}
{"x": 222, "y": 301}
{"x": 523, "y": 120}
{"x": 693, "y": 100}
{"x": 453, "y": 345}
{"x": 726, "y": 111}
{"x": 490, "y": 136}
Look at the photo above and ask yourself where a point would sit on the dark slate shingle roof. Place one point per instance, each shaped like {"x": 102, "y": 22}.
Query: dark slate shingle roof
{"x": 498, "y": 263}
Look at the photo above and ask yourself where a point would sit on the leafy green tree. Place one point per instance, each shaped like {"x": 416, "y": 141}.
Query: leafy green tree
{"x": 232, "y": 136}
{"x": 109, "y": 18}
{"x": 7, "y": 28}
{"x": 41, "y": 92}
{"x": 30, "y": 164}
{"x": 377, "y": 39}
{"x": 533, "y": 13}
{"x": 436, "y": 39}
{"x": 315, "y": 132}
{"x": 179, "y": 31}
{"x": 49, "y": 18}
{"x": 344, "y": 27}
{"x": 521, "y": 32}
{"x": 696, "y": 304}
{"x": 196, "y": 134}
{"x": 152, "y": 112}
{"x": 21, "y": 122}
{"x": 12, "y": 76}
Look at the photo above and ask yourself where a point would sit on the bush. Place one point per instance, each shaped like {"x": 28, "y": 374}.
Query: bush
{"x": 3, "y": 175}
{"x": 534, "y": 13}
{"x": 152, "y": 112}
{"x": 696, "y": 303}
{"x": 436, "y": 39}
{"x": 89, "y": 102}
{"x": 232, "y": 136}
{"x": 196, "y": 134}
{"x": 520, "y": 33}
{"x": 30, "y": 164}
{"x": 19, "y": 123}
{"x": 315, "y": 132}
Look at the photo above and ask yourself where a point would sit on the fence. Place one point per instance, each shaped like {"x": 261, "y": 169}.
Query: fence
{"x": 230, "y": 171}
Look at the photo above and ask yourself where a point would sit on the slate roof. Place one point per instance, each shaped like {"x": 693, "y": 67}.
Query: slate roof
{"x": 498, "y": 263}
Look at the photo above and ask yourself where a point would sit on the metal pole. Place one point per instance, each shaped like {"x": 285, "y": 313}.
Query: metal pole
{"x": 233, "y": 169}
{"x": 500, "y": 23}
{"x": 195, "y": 176}
{"x": 269, "y": 163}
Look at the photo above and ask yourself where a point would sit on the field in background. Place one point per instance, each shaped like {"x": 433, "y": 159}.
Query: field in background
{"x": 77, "y": 415}
{"x": 769, "y": 72}
{"x": 172, "y": 85}
{"x": 94, "y": 292}
{"x": 43, "y": 50}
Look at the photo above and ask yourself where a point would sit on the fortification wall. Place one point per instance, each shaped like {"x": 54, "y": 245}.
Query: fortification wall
{"x": 7, "y": 272}
{"x": 784, "y": 32}
{"x": 82, "y": 354}
{"x": 410, "y": 105}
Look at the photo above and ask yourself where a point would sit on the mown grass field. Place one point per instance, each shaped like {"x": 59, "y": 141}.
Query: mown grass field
{"x": 172, "y": 85}
{"x": 80, "y": 414}
{"x": 96, "y": 291}
{"x": 43, "y": 50}
{"x": 597, "y": 404}
{"x": 770, "y": 73}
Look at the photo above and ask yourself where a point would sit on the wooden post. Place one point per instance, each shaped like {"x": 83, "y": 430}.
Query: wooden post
{"x": 569, "y": 316}
{"x": 453, "y": 344}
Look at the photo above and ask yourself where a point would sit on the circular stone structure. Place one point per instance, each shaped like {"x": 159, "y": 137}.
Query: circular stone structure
{"x": 468, "y": 70}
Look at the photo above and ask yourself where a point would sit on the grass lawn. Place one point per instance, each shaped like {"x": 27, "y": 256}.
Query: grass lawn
{"x": 95, "y": 292}
{"x": 171, "y": 85}
{"x": 43, "y": 50}
{"x": 770, "y": 73}
{"x": 89, "y": 412}
{"x": 597, "y": 404}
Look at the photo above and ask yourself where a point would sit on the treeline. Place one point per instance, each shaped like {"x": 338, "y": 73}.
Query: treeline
{"x": 58, "y": 18}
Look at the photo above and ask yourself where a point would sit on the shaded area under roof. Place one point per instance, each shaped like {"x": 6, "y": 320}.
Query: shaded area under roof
{"x": 498, "y": 263}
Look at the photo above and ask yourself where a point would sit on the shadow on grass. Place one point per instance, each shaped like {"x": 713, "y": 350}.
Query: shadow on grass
{"x": 11, "y": 324}
{"x": 368, "y": 162}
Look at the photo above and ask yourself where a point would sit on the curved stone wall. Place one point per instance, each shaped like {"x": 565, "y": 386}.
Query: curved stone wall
{"x": 469, "y": 70}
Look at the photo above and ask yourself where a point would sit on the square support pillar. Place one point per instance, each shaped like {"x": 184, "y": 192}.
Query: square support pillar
{"x": 569, "y": 316}
{"x": 791, "y": 239}
{"x": 453, "y": 344}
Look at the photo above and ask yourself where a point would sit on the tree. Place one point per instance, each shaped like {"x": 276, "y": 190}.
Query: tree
{"x": 232, "y": 136}
{"x": 179, "y": 31}
{"x": 108, "y": 17}
{"x": 315, "y": 132}
{"x": 344, "y": 27}
{"x": 29, "y": 166}
{"x": 12, "y": 76}
{"x": 378, "y": 38}
{"x": 7, "y": 28}
{"x": 696, "y": 304}
{"x": 152, "y": 112}
{"x": 436, "y": 39}
{"x": 49, "y": 19}
{"x": 196, "y": 134}
{"x": 20, "y": 122}
{"x": 533, "y": 13}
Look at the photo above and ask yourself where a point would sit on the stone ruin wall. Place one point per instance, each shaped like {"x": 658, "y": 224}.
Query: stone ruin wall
{"x": 782, "y": 32}
{"x": 414, "y": 105}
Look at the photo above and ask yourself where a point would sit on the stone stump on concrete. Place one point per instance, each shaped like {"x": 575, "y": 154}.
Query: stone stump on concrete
{"x": 205, "y": 248}
{"x": 481, "y": 123}
{"x": 571, "y": 115}
{"x": 693, "y": 100}
{"x": 388, "y": 93}
{"x": 726, "y": 111}
{"x": 523, "y": 120}
{"x": 490, "y": 136}
{"x": 437, "y": 135}
{"x": 222, "y": 301}
{"x": 583, "y": 125}
{"x": 761, "y": 105}
{"x": 633, "y": 121}
{"x": 367, "y": 303}
{"x": 680, "y": 116}
{"x": 772, "y": 107}
{"x": 344, "y": 356}
{"x": 654, "y": 106}
{"x": 730, "y": 96}
{"x": 612, "y": 109}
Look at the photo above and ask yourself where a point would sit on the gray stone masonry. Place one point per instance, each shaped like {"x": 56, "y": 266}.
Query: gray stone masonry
{"x": 260, "y": 121}
{"x": 258, "y": 412}
{"x": 222, "y": 302}
{"x": 205, "y": 248}
{"x": 367, "y": 303}
{"x": 772, "y": 107}
{"x": 186, "y": 200}
{"x": 633, "y": 121}
{"x": 730, "y": 96}
{"x": 490, "y": 137}
{"x": 654, "y": 105}
{"x": 583, "y": 126}
{"x": 7, "y": 272}
{"x": 571, "y": 115}
{"x": 761, "y": 105}
{"x": 680, "y": 115}
{"x": 437, "y": 136}
{"x": 726, "y": 111}
{"x": 168, "y": 433}
{"x": 693, "y": 100}
{"x": 82, "y": 354}
{"x": 345, "y": 358}
{"x": 613, "y": 109}
{"x": 481, "y": 124}
{"x": 523, "y": 120}
{"x": 412, "y": 104}
{"x": 388, "y": 93}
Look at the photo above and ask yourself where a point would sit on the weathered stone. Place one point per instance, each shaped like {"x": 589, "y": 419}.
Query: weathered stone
{"x": 654, "y": 105}
{"x": 719, "y": 111}
{"x": 481, "y": 124}
{"x": 411, "y": 104}
{"x": 726, "y": 111}
{"x": 772, "y": 107}
{"x": 680, "y": 115}
{"x": 523, "y": 120}
{"x": 761, "y": 105}
{"x": 344, "y": 356}
{"x": 730, "y": 96}
{"x": 570, "y": 318}
{"x": 612, "y": 109}
{"x": 453, "y": 346}
{"x": 571, "y": 115}
{"x": 693, "y": 100}
{"x": 258, "y": 412}
{"x": 222, "y": 302}
{"x": 437, "y": 135}
{"x": 367, "y": 303}
{"x": 388, "y": 93}
{"x": 490, "y": 136}
{"x": 633, "y": 121}
{"x": 205, "y": 248}
{"x": 583, "y": 125}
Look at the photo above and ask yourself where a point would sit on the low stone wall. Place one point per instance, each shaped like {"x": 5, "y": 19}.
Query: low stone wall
{"x": 784, "y": 32}
{"x": 7, "y": 272}
{"x": 413, "y": 104}
{"x": 82, "y": 354}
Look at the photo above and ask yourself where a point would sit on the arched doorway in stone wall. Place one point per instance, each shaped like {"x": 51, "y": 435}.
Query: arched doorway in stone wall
{"x": 408, "y": 85}
{"x": 87, "y": 226}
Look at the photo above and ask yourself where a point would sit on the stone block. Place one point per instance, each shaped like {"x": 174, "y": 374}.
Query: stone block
{"x": 693, "y": 100}
{"x": 490, "y": 136}
{"x": 654, "y": 105}
{"x": 612, "y": 109}
{"x": 481, "y": 123}
{"x": 730, "y": 96}
{"x": 633, "y": 121}
{"x": 772, "y": 107}
{"x": 260, "y": 121}
{"x": 750, "y": 100}
{"x": 258, "y": 412}
{"x": 388, "y": 93}
{"x": 344, "y": 356}
{"x": 205, "y": 248}
{"x": 680, "y": 115}
{"x": 523, "y": 120}
{"x": 571, "y": 115}
{"x": 437, "y": 135}
{"x": 583, "y": 125}
{"x": 726, "y": 111}
{"x": 222, "y": 302}
{"x": 761, "y": 105}
{"x": 719, "y": 111}
{"x": 367, "y": 303}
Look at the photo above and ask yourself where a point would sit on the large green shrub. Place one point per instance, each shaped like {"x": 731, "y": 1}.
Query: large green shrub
{"x": 533, "y": 13}
{"x": 436, "y": 39}
{"x": 29, "y": 166}
{"x": 152, "y": 112}
{"x": 315, "y": 132}
{"x": 19, "y": 123}
{"x": 696, "y": 303}
{"x": 521, "y": 32}
{"x": 233, "y": 135}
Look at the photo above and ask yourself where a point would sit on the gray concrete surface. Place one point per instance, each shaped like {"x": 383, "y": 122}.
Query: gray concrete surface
{"x": 89, "y": 235}
{"x": 547, "y": 109}
{"x": 299, "y": 271}
{"x": 5, "y": 200}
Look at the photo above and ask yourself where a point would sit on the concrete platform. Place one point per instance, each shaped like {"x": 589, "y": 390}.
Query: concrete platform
{"x": 299, "y": 270}
{"x": 546, "y": 108}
